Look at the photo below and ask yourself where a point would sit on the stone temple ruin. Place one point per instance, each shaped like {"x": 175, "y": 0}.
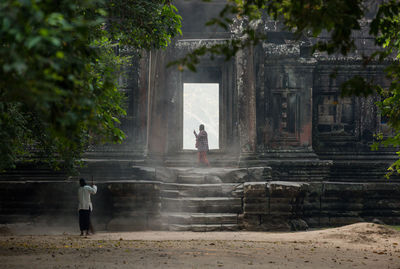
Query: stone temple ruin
{"x": 292, "y": 153}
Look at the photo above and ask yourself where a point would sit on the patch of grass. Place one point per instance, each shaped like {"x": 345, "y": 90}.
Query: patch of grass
{"x": 395, "y": 227}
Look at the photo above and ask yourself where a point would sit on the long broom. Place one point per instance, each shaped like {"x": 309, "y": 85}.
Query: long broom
{"x": 91, "y": 228}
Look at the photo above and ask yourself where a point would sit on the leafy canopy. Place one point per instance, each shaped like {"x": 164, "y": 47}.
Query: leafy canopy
{"x": 58, "y": 69}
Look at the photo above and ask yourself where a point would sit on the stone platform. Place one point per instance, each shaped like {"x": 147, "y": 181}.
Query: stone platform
{"x": 200, "y": 199}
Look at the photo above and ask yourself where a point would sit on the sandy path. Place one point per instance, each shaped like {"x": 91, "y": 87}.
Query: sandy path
{"x": 360, "y": 245}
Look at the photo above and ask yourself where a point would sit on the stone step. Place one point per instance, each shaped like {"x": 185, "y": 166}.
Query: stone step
{"x": 191, "y": 161}
{"x": 202, "y": 205}
{"x": 199, "y": 218}
{"x": 169, "y": 193}
{"x": 191, "y": 179}
{"x": 201, "y": 190}
{"x": 204, "y": 227}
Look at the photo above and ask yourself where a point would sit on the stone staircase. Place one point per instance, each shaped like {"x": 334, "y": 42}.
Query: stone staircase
{"x": 197, "y": 202}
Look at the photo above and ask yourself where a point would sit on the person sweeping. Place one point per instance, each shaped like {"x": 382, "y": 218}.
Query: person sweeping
{"x": 85, "y": 205}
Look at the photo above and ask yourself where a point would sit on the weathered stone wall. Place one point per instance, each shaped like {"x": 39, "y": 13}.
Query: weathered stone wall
{"x": 287, "y": 205}
{"x": 124, "y": 205}
{"x": 135, "y": 206}
{"x": 145, "y": 202}
{"x": 345, "y": 124}
{"x": 54, "y": 201}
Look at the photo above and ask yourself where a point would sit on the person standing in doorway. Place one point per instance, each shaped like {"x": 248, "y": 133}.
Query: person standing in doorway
{"x": 85, "y": 205}
{"x": 202, "y": 145}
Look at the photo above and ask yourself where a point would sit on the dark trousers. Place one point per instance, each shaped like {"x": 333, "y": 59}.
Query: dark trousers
{"x": 84, "y": 219}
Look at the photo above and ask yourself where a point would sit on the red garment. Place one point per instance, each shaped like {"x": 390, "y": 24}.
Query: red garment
{"x": 202, "y": 157}
{"x": 202, "y": 141}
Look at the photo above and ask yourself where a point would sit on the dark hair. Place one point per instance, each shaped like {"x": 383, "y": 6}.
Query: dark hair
{"x": 201, "y": 127}
{"x": 82, "y": 182}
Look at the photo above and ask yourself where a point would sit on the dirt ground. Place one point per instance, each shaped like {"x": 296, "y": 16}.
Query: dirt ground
{"x": 362, "y": 245}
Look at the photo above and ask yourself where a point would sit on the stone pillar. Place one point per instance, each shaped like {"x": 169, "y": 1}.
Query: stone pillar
{"x": 246, "y": 101}
{"x": 157, "y": 106}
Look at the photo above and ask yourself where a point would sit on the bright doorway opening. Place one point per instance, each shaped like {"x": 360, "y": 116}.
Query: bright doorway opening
{"x": 200, "y": 106}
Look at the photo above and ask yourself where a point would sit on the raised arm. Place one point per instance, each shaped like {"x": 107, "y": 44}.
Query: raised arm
{"x": 91, "y": 190}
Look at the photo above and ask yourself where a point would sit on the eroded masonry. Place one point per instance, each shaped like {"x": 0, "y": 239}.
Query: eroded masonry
{"x": 291, "y": 153}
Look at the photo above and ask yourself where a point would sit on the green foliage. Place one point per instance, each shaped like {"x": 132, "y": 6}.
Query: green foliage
{"x": 386, "y": 29}
{"x": 143, "y": 24}
{"x": 395, "y": 227}
{"x": 58, "y": 87}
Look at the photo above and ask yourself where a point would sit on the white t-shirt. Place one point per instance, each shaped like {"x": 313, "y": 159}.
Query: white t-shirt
{"x": 84, "y": 197}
